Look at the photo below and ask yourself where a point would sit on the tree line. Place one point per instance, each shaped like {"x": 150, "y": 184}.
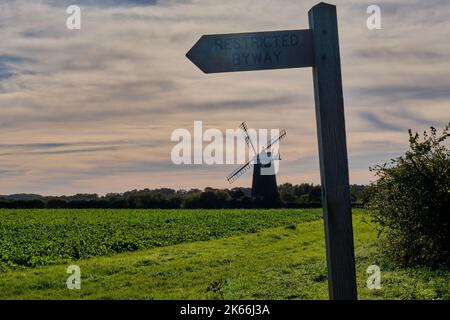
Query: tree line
{"x": 303, "y": 195}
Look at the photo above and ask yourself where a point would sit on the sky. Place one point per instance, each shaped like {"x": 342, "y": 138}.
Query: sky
{"x": 93, "y": 110}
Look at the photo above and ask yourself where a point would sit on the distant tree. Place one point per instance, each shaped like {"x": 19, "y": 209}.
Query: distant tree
{"x": 304, "y": 195}
{"x": 113, "y": 200}
{"x": 237, "y": 193}
{"x": 304, "y": 198}
{"x": 410, "y": 201}
{"x": 287, "y": 192}
{"x": 358, "y": 194}
{"x": 191, "y": 200}
{"x": 288, "y": 197}
{"x": 208, "y": 200}
{"x": 174, "y": 201}
{"x": 245, "y": 202}
{"x": 56, "y": 203}
{"x": 29, "y": 204}
{"x": 223, "y": 198}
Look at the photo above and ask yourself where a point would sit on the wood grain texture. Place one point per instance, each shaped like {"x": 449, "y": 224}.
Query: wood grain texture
{"x": 333, "y": 152}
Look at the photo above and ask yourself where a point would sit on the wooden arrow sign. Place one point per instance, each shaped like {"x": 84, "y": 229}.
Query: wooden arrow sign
{"x": 253, "y": 51}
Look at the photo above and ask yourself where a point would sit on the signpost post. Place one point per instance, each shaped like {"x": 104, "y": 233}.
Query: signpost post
{"x": 317, "y": 47}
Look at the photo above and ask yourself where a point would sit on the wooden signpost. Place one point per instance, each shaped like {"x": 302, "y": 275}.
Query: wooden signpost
{"x": 318, "y": 48}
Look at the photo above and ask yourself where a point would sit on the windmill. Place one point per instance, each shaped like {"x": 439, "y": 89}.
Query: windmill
{"x": 264, "y": 184}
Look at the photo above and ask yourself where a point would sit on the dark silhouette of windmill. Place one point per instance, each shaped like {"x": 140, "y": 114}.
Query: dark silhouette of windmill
{"x": 264, "y": 184}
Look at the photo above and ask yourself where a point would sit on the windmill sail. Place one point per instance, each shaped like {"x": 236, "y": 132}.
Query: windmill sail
{"x": 271, "y": 143}
{"x": 248, "y": 140}
{"x": 238, "y": 172}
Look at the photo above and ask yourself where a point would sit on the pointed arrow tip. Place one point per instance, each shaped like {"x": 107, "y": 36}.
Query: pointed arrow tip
{"x": 189, "y": 54}
{"x": 194, "y": 58}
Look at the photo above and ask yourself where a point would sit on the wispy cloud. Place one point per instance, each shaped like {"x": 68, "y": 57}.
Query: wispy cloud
{"x": 67, "y": 151}
{"x": 103, "y": 3}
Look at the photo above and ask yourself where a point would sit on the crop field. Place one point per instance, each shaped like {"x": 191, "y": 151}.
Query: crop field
{"x": 190, "y": 254}
{"x": 41, "y": 237}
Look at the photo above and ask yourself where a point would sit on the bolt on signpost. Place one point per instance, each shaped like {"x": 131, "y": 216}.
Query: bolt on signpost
{"x": 317, "y": 47}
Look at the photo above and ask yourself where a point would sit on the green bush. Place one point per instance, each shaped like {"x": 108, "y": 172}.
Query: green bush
{"x": 410, "y": 201}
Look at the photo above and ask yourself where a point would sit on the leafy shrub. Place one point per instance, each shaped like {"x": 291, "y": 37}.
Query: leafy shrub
{"x": 410, "y": 201}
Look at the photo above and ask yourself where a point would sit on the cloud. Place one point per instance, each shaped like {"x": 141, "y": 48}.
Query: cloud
{"x": 93, "y": 110}
{"x": 103, "y": 3}
{"x": 395, "y": 93}
{"x": 67, "y": 151}
{"x": 378, "y": 123}
{"x": 9, "y": 64}
{"x": 247, "y": 104}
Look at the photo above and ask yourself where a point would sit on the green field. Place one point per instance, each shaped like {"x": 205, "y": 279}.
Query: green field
{"x": 41, "y": 237}
{"x": 189, "y": 254}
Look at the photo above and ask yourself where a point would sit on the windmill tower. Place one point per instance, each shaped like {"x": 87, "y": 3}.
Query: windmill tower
{"x": 264, "y": 184}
